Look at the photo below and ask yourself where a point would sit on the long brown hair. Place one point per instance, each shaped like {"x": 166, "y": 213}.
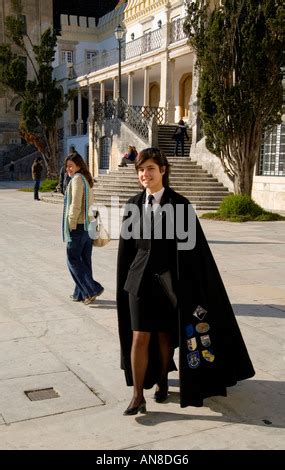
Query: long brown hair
{"x": 83, "y": 169}
{"x": 158, "y": 157}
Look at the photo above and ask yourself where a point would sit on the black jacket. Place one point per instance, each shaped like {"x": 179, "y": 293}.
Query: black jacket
{"x": 212, "y": 355}
{"x": 179, "y": 133}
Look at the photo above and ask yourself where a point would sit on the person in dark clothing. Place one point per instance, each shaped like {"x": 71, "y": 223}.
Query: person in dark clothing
{"x": 12, "y": 170}
{"x": 64, "y": 178}
{"x": 161, "y": 238}
{"x": 179, "y": 134}
{"x": 36, "y": 175}
{"x": 129, "y": 157}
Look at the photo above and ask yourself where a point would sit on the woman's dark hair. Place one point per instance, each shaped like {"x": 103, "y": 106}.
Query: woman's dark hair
{"x": 181, "y": 122}
{"x": 78, "y": 160}
{"x": 158, "y": 157}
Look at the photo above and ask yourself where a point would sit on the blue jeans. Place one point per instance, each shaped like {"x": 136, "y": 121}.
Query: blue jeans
{"x": 79, "y": 252}
{"x": 177, "y": 145}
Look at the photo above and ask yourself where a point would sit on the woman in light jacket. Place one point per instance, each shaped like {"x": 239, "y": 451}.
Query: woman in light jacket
{"x": 77, "y": 214}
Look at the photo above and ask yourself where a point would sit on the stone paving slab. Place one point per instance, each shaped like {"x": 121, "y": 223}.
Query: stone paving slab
{"x": 45, "y": 335}
{"x": 73, "y": 395}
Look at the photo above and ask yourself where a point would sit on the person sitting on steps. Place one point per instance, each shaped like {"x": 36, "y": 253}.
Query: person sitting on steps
{"x": 129, "y": 157}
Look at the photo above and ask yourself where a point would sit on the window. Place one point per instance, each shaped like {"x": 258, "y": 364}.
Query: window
{"x": 91, "y": 55}
{"x": 23, "y": 21}
{"x": 23, "y": 59}
{"x": 66, "y": 57}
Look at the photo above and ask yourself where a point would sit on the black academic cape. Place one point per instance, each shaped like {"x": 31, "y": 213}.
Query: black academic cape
{"x": 212, "y": 353}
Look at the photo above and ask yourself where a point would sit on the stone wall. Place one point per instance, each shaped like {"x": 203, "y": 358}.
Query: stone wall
{"x": 23, "y": 168}
{"x": 211, "y": 163}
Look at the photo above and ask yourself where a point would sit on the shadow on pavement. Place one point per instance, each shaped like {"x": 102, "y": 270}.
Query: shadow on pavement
{"x": 253, "y": 402}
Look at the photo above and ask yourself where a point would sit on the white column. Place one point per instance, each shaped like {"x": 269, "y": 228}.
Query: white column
{"x": 146, "y": 87}
{"x": 130, "y": 87}
{"x": 90, "y": 130}
{"x": 167, "y": 80}
{"x": 102, "y": 92}
{"x": 79, "y": 105}
{"x": 90, "y": 102}
{"x": 115, "y": 88}
{"x": 79, "y": 112}
{"x": 194, "y": 105}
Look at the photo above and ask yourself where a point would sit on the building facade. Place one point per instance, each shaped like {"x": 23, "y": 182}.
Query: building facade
{"x": 37, "y": 17}
{"x": 158, "y": 82}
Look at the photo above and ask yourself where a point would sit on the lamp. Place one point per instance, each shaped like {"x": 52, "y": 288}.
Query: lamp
{"x": 132, "y": 36}
{"x": 159, "y": 23}
{"x": 119, "y": 34}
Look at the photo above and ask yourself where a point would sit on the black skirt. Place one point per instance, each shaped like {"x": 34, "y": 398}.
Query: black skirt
{"x": 152, "y": 311}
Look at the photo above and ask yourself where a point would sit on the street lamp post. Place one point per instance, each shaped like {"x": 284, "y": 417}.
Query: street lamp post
{"x": 119, "y": 34}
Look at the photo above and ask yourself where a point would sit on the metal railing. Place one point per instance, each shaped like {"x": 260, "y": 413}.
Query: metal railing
{"x": 176, "y": 30}
{"x": 137, "y": 117}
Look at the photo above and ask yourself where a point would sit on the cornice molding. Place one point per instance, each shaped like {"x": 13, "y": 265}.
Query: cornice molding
{"x": 138, "y": 9}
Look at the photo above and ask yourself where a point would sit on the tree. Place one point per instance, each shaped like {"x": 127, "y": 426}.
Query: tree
{"x": 42, "y": 102}
{"x": 239, "y": 45}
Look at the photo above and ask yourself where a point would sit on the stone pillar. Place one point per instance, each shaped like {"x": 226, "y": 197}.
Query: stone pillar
{"x": 79, "y": 112}
{"x": 115, "y": 88}
{"x": 102, "y": 92}
{"x": 130, "y": 87}
{"x": 167, "y": 80}
{"x": 90, "y": 102}
{"x": 90, "y": 130}
{"x": 194, "y": 106}
{"x": 146, "y": 87}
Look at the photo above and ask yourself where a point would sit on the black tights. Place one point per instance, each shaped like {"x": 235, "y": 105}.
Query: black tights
{"x": 139, "y": 360}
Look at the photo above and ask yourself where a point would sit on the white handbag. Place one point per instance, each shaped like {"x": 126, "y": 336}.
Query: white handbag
{"x": 97, "y": 232}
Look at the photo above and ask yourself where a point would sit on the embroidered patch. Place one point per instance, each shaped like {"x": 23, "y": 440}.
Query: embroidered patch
{"x": 208, "y": 355}
{"x": 202, "y": 327}
{"x": 192, "y": 344}
{"x": 199, "y": 313}
{"x": 189, "y": 330}
{"x": 193, "y": 359}
{"x": 205, "y": 340}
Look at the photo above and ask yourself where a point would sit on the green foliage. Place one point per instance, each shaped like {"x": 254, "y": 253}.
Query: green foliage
{"x": 238, "y": 204}
{"x": 42, "y": 102}
{"x": 239, "y": 47}
{"x": 48, "y": 185}
{"x": 241, "y": 208}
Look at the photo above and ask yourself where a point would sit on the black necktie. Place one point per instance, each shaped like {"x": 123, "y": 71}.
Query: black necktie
{"x": 150, "y": 199}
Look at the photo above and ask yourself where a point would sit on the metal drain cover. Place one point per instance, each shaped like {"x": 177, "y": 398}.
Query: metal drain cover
{"x": 42, "y": 394}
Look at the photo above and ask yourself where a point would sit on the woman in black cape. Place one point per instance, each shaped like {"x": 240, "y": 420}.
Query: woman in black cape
{"x": 161, "y": 234}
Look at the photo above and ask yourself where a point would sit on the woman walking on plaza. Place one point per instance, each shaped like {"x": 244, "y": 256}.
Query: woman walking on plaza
{"x": 77, "y": 214}
{"x": 169, "y": 294}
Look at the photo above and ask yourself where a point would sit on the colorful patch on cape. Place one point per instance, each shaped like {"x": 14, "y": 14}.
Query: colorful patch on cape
{"x": 189, "y": 330}
{"x": 202, "y": 327}
{"x": 208, "y": 355}
{"x": 192, "y": 344}
{"x": 199, "y": 312}
{"x": 193, "y": 359}
{"x": 205, "y": 340}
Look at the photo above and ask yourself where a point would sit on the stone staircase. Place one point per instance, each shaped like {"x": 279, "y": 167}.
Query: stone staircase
{"x": 186, "y": 177}
{"x": 167, "y": 144}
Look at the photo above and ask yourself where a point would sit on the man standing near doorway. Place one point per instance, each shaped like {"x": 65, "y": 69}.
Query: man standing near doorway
{"x": 36, "y": 175}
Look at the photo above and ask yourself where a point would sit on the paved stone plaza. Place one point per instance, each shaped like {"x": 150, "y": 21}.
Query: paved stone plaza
{"x": 47, "y": 341}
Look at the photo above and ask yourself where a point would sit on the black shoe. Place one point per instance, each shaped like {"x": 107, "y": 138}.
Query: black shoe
{"x": 161, "y": 395}
{"x": 141, "y": 408}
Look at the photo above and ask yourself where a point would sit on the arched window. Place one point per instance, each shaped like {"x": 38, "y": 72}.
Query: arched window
{"x": 18, "y": 106}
